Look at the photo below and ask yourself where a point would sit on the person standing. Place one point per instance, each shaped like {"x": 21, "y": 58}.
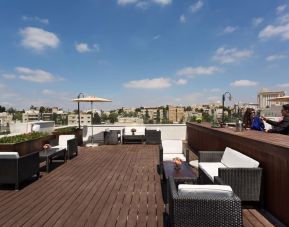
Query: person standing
{"x": 281, "y": 127}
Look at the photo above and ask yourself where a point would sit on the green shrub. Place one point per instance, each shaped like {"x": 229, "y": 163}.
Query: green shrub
{"x": 23, "y": 137}
{"x": 65, "y": 130}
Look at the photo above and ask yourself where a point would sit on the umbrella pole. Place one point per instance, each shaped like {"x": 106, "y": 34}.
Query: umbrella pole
{"x": 91, "y": 124}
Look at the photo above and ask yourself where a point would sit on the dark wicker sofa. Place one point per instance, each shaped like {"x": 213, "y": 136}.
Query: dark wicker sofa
{"x": 16, "y": 170}
{"x": 70, "y": 145}
{"x": 245, "y": 182}
{"x": 198, "y": 210}
{"x": 153, "y": 136}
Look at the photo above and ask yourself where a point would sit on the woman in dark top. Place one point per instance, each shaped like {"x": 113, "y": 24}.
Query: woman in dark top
{"x": 248, "y": 116}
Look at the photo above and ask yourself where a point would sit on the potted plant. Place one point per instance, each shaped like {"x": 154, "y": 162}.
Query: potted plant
{"x": 25, "y": 143}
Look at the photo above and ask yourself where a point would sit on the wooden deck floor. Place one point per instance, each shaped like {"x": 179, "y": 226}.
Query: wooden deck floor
{"x": 114, "y": 185}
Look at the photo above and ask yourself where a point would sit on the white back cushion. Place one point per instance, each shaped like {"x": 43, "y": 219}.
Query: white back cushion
{"x": 63, "y": 139}
{"x": 211, "y": 168}
{"x": 205, "y": 190}
{"x": 172, "y": 146}
{"x": 234, "y": 159}
{"x": 9, "y": 155}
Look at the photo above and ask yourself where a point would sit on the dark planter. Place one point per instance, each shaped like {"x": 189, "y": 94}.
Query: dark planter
{"x": 77, "y": 132}
{"x": 27, "y": 147}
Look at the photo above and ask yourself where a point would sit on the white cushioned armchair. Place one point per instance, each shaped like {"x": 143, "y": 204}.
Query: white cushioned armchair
{"x": 232, "y": 168}
{"x": 69, "y": 143}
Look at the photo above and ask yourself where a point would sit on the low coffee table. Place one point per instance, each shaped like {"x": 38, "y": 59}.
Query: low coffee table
{"x": 184, "y": 174}
{"x": 51, "y": 153}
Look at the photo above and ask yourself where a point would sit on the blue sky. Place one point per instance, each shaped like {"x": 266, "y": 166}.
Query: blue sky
{"x": 141, "y": 52}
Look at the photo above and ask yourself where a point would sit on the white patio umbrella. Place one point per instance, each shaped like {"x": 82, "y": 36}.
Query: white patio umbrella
{"x": 280, "y": 99}
{"x": 91, "y": 99}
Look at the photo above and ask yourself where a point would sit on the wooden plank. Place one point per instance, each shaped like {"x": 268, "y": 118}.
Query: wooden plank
{"x": 251, "y": 218}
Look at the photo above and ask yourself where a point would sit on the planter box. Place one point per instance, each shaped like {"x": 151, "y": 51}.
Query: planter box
{"x": 27, "y": 147}
{"x": 77, "y": 132}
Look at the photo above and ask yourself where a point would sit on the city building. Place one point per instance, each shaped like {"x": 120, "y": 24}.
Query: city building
{"x": 153, "y": 114}
{"x": 176, "y": 114}
{"x": 30, "y": 115}
{"x": 264, "y": 96}
{"x": 129, "y": 120}
{"x": 85, "y": 119}
{"x": 5, "y": 118}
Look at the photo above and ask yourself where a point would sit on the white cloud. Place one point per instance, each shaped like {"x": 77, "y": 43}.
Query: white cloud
{"x": 8, "y": 76}
{"x": 230, "y": 29}
{"x": 2, "y": 85}
{"x": 34, "y": 75}
{"x": 257, "y": 21}
{"x": 183, "y": 19}
{"x": 283, "y": 85}
{"x": 181, "y": 82}
{"x": 37, "y": 19}
{"x": 125, "y": 2}
{"x": 276, "y": 57}
{"x": 84, "y": 48}
{"x": 155, "y": 83}
{"x": 225, "y": 56}
{"x": 214, "y": 99}
{"x": 281, "y": 8}
{"x": 191, "y": 72}
{"x": 271, "y": 31}
{"x": 284, "y": 19}
{"x": 142, "y": 5}
{"x": 243, "y": 83}
{"x": 156, "y": 37}
{"x": 197, "y": 6}
{"x": 38, "y": 39}
{"x": 163, "y": 2}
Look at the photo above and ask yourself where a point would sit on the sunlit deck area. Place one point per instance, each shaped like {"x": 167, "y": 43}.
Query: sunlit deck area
{"x": 110, "y": 185}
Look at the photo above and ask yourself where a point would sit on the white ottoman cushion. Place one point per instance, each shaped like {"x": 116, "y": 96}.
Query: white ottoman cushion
{"x": 205, "y": 190}
{"x": 9, "y": 155}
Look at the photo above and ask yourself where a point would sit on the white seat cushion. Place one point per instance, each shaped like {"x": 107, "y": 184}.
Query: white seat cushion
{"x": 172, "y": 146}
{"x": 63, "y": 139}
{"x": 234, "y": 159}
{"x": 205, "y": 190}
{"x": 170, "y": 157}
{"x": 211, "y": 168}
{"x": 194, "y": 163}
{"x": 9, "y": 155}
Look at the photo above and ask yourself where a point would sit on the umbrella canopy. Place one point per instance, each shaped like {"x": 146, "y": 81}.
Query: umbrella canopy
{"x": 280, "y": 99}
{"x": 91, "y": 99}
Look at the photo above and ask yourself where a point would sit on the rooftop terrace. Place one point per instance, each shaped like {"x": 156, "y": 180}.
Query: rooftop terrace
{"x": 110, "y": 185}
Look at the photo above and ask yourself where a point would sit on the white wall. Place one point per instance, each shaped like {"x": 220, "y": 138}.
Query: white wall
{"x": 168, "y": 131}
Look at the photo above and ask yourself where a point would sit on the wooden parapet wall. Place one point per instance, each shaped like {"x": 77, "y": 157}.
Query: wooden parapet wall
{"x": 271, "y": 150}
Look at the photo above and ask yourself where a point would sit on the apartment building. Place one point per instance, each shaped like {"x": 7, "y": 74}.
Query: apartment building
{"x": 85, "y": 119}
{"x": 264, "y": 96}
{"x": 153, "y": 113}
{"x": 30, "y": 115}
{"x": 5, "y": 118}
{"x": 176, "y": 114}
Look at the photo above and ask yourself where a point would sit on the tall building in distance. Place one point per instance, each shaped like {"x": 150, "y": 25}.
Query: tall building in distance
{"x": 176, "y": 114}
{"x": 264, "y": 97}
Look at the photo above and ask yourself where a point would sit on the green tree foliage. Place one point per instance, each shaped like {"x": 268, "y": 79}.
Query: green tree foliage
{"x": 207, "y": 117}
{"x": 96, "y": 120}
{"x": 146, "y": 117}
{"x": 17, "y": 116}
{"x": 113, "y": 117}
{"x": 42, "y": 109}
{"x": 103, "y": 117}
{"x": 2, "y": 109}
{"x": 165, "y": 115}
{"x": 158, "y": 119}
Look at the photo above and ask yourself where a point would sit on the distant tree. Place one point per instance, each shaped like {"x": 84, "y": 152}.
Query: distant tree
{"x": 193, "y": 118}
{"x": 96, "y": 120}
{"x": 17, "y": 116}
{"x": 11, "y": 110}
{"x": 165, "y": 116}
{"x": 137, "y": 110}
{"x": 33, "y": 107}
{"x": 146, "y": 117}
{"x": 188, "y": 108}
{"x": 113, "y": 117}
{"x": 42, "y": 109}
{"x": 2, "y": 109}
{"x": 103, "y": 117}
{"x": 206, "y": 117}
{"x": 120, "y": 111}
{"x": 158, "y": 119}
